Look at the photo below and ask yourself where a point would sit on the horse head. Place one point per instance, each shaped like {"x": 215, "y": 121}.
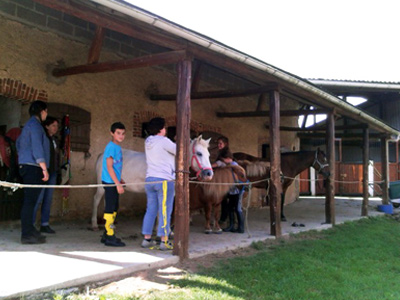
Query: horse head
{"x": 321, "y": 163}
{"x": 200, "y": 158}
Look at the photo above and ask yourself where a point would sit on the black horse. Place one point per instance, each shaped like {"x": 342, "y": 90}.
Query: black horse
{"x": 292, "y": 164}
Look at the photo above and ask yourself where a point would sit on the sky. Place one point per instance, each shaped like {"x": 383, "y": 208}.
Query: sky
{"x": 341, "y": 39}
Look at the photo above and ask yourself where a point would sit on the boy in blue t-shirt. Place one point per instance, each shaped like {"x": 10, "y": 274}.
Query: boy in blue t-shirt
{"x": 111, "y": 174}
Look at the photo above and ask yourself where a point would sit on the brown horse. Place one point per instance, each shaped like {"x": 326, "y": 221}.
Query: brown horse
{"x": 292, "y": 164}
{"x": 209, "y": 196}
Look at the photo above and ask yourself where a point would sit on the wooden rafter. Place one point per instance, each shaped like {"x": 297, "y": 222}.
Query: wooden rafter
{"x": 97, "y": 43}
{"x": 314, "y": 135}
{"x": 265, "y": 113}
{"x": 196, "y": 77}
{"x": 220, "y": 94}
{"x": 140, "y": 62}
{"x": 313, "y": 129}
{"x": 261, "y": 100}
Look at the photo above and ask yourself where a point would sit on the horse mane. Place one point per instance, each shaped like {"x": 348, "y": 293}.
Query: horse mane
{"x": 223, "y": 180}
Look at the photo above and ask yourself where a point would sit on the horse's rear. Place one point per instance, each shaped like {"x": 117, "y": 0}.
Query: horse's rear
{"x": 210, "y": 195}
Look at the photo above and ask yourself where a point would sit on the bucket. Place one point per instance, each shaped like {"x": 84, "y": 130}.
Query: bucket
{"x": 386, "y": 208}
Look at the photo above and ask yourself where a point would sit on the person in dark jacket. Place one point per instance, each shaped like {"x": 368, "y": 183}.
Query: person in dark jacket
{"x": 46, "y": 196}
{"x": 33, "y": 158}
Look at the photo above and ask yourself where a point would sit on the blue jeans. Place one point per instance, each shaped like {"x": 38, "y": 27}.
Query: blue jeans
{"x": 154, "y": 194}
{"x": 45, "y": 199}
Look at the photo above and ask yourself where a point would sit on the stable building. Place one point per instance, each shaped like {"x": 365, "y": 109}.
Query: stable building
{"x": 101, "y": 61}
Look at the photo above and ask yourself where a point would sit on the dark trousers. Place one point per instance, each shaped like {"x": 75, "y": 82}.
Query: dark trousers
{"x": 233, "y": 203}
{"x": 30, "y": 175}
{"x": 111, "y": 199}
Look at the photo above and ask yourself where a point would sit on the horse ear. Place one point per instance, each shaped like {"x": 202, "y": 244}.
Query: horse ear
{"x": 200, "y": 137}
{"x": 208, "y": 141}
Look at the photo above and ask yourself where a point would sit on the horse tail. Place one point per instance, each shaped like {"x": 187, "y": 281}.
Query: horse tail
{"x": 255, "y": 169}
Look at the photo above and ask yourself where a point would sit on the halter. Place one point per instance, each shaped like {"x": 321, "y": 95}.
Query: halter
{"x": 194, "y": 157}
{"x": 321, "y": 165}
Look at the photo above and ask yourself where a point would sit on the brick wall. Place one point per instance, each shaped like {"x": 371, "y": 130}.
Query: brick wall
{"x": 16, "y": 90}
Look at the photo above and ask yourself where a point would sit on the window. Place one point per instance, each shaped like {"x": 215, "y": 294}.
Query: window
{"x": 80, "y": 121}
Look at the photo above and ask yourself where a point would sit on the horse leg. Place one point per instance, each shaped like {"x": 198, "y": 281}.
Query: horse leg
{"x": 207, "y": 214}
{"x": 283, "y": 218}
{"x": 217, "y": 211}
{"x": 96, "y": 201}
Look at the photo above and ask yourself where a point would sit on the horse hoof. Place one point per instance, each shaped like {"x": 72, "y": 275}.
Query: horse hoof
{"x": 207, "y": 231}
{"x": 218, "y": 231}
{"x": 93, "y": 228}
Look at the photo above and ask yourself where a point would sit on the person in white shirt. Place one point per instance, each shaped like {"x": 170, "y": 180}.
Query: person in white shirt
{"x": 160, "y": 157}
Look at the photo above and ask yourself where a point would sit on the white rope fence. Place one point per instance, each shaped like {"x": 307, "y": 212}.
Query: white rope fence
{"x": 15, "y": 186}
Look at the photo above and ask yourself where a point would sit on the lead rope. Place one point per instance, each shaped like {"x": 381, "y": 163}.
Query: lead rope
{"x": 247, "y": 211}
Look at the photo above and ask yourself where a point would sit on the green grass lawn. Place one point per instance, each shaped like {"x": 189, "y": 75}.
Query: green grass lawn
{"x": 355, "y": 260}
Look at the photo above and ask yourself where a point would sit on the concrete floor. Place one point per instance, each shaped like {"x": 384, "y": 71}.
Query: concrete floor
{"x": 74, "y": 256}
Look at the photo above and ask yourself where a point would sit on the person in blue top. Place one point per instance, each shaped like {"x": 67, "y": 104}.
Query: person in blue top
{"x": 111, "y": 174}
{"x": 33, "y": 149}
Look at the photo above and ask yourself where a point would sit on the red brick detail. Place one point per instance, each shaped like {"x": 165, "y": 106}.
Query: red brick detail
{"x": 16, "y": 90}
{"x": 145, "y": 116}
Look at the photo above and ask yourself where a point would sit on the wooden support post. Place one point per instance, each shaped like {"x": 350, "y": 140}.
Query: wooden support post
{"x": 364, "y": 208}
{"x": 330, "y": 188}
{"x": 275, "y": 188}
{"x": 385, "y": 170}
{"x": 181, "y": 237}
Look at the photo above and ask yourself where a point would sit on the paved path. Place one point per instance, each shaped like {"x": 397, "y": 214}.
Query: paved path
{"x": 74, "y": 256}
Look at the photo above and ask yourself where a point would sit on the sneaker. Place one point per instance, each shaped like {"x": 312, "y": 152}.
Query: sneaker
{"x": 164, "y": 246}
{"x": 148, "y": 244}
{"x": 46, "y": 229}
{"x": 104, "y": 237}
{"x": 113, "y": 241}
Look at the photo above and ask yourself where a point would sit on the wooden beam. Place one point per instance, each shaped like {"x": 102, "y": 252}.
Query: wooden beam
{"x": 219, "y": 94}
{"x": 330, "y": 187}
{"x": 196, "y": 77}
{"x": 97, "y": 43}
{"x": 265, "y": 113}
{"x": 313, "y": 129}
{"x": 140, "y": 62}
{"x": 364, "y": 208}
{"x": 275, "y": 185}
{"x": 183, "y": 112}
{"x": 261, "y": 100}
{"x": 338, "y": 135}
